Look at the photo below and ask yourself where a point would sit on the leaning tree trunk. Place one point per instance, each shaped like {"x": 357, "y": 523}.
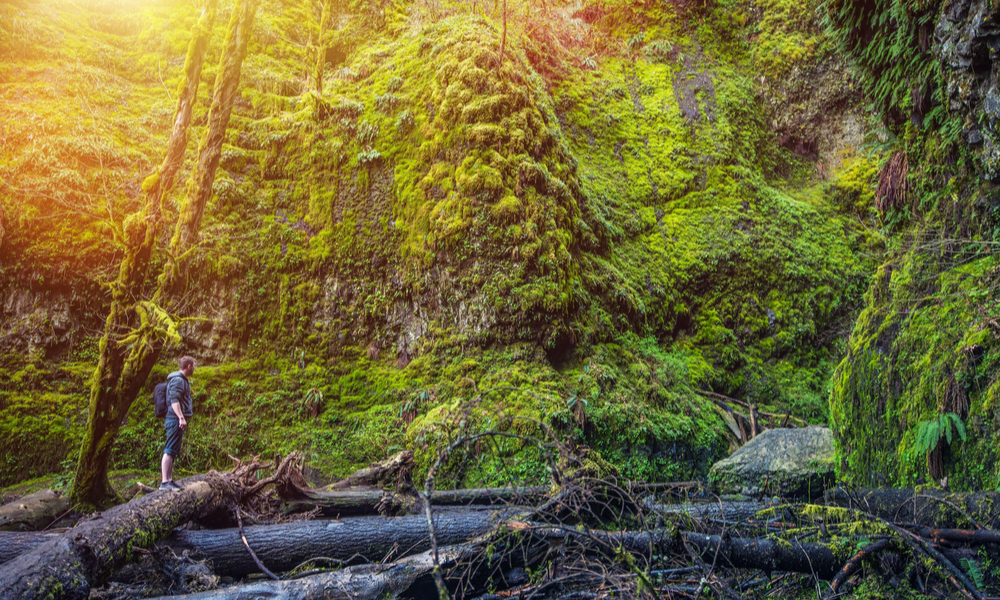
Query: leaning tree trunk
{"x": 123, "y": 368}
{"x": 321, "y": 45}
{"x": 86, "y": 555}
{"x": 185, "y": 239}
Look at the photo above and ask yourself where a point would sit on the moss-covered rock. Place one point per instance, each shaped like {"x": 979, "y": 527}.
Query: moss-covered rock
{"x": 784, "y": 462}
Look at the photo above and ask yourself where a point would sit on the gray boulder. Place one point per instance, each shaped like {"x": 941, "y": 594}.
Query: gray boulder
{"x": 784, "y": 462}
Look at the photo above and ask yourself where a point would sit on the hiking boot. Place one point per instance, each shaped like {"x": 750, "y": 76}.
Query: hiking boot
{"x": 170, "y": 486}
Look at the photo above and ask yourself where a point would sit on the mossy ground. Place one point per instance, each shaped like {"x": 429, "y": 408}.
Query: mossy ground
{"x": 605, "y": 234}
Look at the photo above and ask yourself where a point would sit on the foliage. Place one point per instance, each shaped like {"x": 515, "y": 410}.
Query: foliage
{"x": 932, "y": 431}
{"x": 601, "y": 223}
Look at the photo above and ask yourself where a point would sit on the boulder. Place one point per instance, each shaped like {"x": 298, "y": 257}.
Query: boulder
{"x": 784, "y": 462}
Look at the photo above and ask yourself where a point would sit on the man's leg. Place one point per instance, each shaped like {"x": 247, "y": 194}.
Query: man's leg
{"x": 167, "y": 468}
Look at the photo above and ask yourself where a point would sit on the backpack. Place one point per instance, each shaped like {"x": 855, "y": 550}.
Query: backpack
{"x": 160, "y": 399}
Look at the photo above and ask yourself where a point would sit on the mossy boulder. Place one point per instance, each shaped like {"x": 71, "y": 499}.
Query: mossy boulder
{"x": 787, "y": 462}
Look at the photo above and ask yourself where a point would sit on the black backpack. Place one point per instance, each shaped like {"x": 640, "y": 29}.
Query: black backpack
{"x": 160, "y": 399}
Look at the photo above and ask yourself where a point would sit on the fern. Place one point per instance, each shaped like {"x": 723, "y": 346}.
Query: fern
{"x": 974, "y": 572}
{"x": 930, "y": 432}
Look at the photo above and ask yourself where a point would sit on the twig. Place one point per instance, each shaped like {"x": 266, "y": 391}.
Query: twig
{"x": 59, "y": 518}
{"x": 253, "y": 554}
{"x": 854, "y": 563}
{"x": 959, "y": 510}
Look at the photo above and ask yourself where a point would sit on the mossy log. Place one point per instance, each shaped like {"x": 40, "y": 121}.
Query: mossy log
{"x": 68, "y": 565}
{"x": 412, "y": 577}
{"x": 722, "y": 550}
{"x": 34, "y": 511}
{"x": 729, "y": 511}
{"x": 283, "y": 547}
{"x": 931, "y": 508}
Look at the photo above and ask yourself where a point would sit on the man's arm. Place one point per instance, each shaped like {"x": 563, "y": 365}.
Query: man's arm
{"x": 174, "y": 398}
{"x": 176, "y": 407}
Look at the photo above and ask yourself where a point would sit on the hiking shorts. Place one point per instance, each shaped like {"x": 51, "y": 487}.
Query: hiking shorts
{"x": 174, "y": 436}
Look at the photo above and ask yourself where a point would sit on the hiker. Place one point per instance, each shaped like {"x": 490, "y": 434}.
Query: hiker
{"x": 179, "y": 403}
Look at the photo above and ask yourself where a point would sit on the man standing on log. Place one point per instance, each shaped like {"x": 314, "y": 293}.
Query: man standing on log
{"x": 179, "y": 400}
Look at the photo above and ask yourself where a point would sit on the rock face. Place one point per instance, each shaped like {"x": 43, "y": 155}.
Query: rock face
{"x": 788, "y": 462}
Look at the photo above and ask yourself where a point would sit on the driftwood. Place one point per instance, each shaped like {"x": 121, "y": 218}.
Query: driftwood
{"x": 34, "y": 511}
{"x": 931, "y": 508}
{"x": 86, "y": 555}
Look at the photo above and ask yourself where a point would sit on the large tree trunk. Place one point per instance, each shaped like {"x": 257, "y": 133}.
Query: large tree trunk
{"x": 173, "y": 279}
{"x": 136, "y": 331}
{"x": 34, "y": 511}
{"x": 123, "y": 367}
{"x": 68, "y": 565}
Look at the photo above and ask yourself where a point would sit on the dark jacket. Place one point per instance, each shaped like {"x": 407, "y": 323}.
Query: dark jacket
{"x": 178, "y": 392}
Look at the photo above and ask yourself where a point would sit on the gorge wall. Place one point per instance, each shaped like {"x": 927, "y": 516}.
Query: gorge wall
{"x": 638, "y": 203}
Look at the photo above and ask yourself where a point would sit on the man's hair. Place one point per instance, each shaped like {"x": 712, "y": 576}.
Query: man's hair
{"x": 186, "y": 362}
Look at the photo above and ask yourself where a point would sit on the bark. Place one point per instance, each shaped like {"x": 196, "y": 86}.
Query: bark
{"x": 729, "y": 511}
{"x": 134, "y": 337}
{"x": 393, "y": 473}
{"x": 321, "y": 45}
{"x": 384, "y": 488}
{"x": 282, "y": 547}
{"x": 931, "y": 508}
{"x": 489, "y": 496}
{"x": 723, "y": 551}
{"x": 411, "y": 576}
{"x": 69, "y": 564}
{"x": 185, "y": 238}
{"x": 354, "y": 503}
{"x": 16, "y": 543}
{"x": 34, "y": 511}
{"x": 124, "y": 367}
{"x": 366, "y": 539}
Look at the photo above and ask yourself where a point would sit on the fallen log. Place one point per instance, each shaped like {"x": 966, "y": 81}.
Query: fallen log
{"x": 729, "y": 511}
{"x": 412, "y": 576}
{"x": 489, "y": 496}
{"x": 282, "y": 547}
{"x": 821, "y": 560}
{"x": 34, "y": 511}
{"x": 371, "y": 539}
{"x": 930, "y": 508}
{"x": 16, "y": 543}
{"x": 86, "y": 555}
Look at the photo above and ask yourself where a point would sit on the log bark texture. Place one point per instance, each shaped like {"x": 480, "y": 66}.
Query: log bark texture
{"x": 723, "y": 551}
{"x": 410, "y": 576}
{"x": 69, "y": 564}
{"x": 33, "y": 512}
{"x": 931, "y": 508}
{"x": 283, "y": 547}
